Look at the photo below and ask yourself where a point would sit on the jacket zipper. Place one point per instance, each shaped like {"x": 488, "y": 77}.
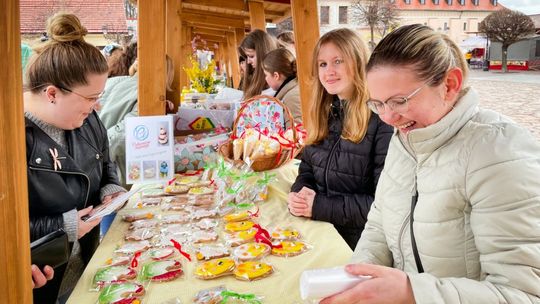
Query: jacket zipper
{"x": 69, "y": 172}
{"x": 328, "y": 163}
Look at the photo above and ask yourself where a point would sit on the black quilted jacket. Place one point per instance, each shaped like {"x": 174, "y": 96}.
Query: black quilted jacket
{"x": 344, "y": 175}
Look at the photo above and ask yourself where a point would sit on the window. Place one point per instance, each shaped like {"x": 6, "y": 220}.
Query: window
{"x": 462, "y": 2}
{"x": 475, "y": 2}
{"x": 343, "y": 17}
{"x": 494, "y": 2}
{"x": 449, "y": 2}
{"x": 446, "y": 28}
{"x": 422, "y": 2}
{"x": 537, "y": 51}
{"x": 464, "y": 26}
{"x": 407, "y": 1}
{"x": 325, "y": 14}
{"x": 436, "y": 2}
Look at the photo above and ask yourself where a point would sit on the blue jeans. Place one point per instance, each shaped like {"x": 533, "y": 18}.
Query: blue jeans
{"x": 106, "y": 223}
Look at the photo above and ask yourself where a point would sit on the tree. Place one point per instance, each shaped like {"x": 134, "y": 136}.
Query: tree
{"x": 507, "y": 27}
{"x": 380, "y": 15}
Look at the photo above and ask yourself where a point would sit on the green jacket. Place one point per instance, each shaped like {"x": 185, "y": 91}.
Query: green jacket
{"x": 477, "y": 218}
{"x": 119, "y": 101}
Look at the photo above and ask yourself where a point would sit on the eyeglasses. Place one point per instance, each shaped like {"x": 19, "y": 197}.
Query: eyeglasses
{"x": 89, "y": 99}
{"x": 396, "y": 104}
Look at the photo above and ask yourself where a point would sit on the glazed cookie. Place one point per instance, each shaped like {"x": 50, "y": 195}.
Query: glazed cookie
{"x": 200, "y": 236}
{"x": 208, "y": 252}
{"x": 132, "y": 248}
{"x": 177, "y": 218}
{"x": 121, "y": 293}
{"x": 143, "y": 224}
{"x": 140, "y": 234}
{"x": 149, "y": 202}
{"x": 176, "y": 189}
{"x": 251, "y": 251}
{"x": 290, "y": 248}
{"x": 118, "y": 261}
{"x": 179, "y": 200}
{"x": 158, "y": 254}
{"x": 214, "y": 268}
{"x": 206, "y": 224}
{"x": 237, "y": 216}
{"x": 241, "y": 237}
{"x": 201, "y": 190}
{"x": 239, "y": 226}
{"x": 252, "y": 270}
{"x": 210, "y": 296}
{"x": 284, "y": 234}
{"x": 186, "y": 180}
{"x": 203, "y": 213}
{"x": 161, "y": 271}
{"x": 132, "y": 216}
{"x": 106, "y": 275}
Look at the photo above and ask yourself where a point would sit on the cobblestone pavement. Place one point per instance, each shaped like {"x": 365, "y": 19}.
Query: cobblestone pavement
{"x": 515, "y": 94}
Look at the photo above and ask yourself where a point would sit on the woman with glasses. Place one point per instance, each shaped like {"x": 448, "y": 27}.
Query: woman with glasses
{"x": 457, "y": 208}
{"x": 69, "y": 170}
{"x": 346, "y": 144}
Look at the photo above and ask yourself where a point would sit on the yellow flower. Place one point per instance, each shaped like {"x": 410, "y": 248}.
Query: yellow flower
{"x": 202, "y": 80}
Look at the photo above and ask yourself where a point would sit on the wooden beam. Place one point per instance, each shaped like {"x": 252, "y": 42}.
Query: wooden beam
{"x": 239, "y": 34}
{"x": 233, "y": 56}
{"x": 306, "y": 33}
{"x": 219, "y": 21}
{"x": 212, "y": 38}
{"x": 211, "y": 27}
{"x": 206, "y": 31}
{"x": 174, "y": 48}
{"x": 151, "y": 53}
{"x": 256, "y": 15}
{"x": 237, "y": 5}
{"x": 15, "y": 286}
{"x": 286, "y": 15}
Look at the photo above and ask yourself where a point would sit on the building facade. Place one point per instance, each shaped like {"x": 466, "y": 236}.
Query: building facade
{"x": 457, "y": 18}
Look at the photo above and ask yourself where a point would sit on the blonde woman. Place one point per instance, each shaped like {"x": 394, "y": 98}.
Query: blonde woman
{"x": 456, "y": 214}
{"x": 346, "y": 145}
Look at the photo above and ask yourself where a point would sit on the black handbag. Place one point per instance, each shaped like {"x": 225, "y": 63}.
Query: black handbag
{"x": 52, "y": 249}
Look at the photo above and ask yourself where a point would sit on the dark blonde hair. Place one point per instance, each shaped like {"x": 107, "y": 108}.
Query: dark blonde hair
{"x": 120, "y": 67}
{"x": 430, "y": 53}
{"x": 286, "y": 36}
{"x": 281, "y": 61}
{"x": 262, "y": 43}
{"x": 65, "y": 60}
{"x": 357, "y": 113}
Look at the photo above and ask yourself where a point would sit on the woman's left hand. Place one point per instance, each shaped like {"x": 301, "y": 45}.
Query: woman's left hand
{"x": 108, "y": 198}
{"x": 387, "y": 285}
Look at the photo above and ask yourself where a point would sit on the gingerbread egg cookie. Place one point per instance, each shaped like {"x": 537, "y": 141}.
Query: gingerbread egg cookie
{"x": 214, "y": 268}
{"x": 239, "y": 226}
{"x": 125, "y": 293}
{"x": 284, "y": 234}
{"x": 290, "y": 248}
{"x": 161, "y": 271}
{"x": 252, "y": 270}
{"x": 241, "y": 237}
{"x": 251, "y": 251}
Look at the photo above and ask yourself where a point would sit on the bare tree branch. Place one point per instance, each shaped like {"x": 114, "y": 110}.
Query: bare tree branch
{"x": 379, "y": 15}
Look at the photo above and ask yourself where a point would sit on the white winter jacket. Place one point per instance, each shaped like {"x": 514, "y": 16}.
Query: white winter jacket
{"x": 477, "y": 219}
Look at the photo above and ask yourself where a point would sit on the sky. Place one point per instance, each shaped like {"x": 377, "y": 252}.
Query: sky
{"x": 527, "y": 7}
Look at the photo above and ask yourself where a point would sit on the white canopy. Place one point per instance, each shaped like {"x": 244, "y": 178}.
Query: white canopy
{"x": 473, "y": 42}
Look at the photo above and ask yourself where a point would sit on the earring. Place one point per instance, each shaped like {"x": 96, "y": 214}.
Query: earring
{"x": 52, "y": 101}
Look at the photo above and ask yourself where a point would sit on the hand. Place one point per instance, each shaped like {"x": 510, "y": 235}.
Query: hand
{"x": 40, "y": 278}
{"x": 387, "y": 285}
{"x": 84, "y": 227}
{"x": 109, "y": 198}
{"x": 309, "y": 195}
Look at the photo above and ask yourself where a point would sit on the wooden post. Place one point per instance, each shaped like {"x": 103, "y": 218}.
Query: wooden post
{"x": 305, "y": 21}
{"x": 186, "y": 51}
{"x": 151, "y": 53}
{"x": 240, "y": 33}
{"x": 256, "y": 15}
{"x": 174, "y": 48}
{"x": 15, "y": 284}
{"x": 233, "y": 56}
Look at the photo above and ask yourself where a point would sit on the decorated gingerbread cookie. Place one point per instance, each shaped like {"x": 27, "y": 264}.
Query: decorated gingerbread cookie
{"x": 131, "y": 216}
{"x": 121, "y": 293}
{"x": 239, "y": 226}
{"x": 241, "y": 237}
{"x": 214, "y": 268}
{"x": 237, "y": 216}
{"x": 206, "y": 224}
{"x": 290, "y": 248}
{"x": 151, "y": 223}
{"x": 149, "y": 202}
{"x": 106, "y": 275}
{"x": 251, "y": 251}
{"x": 140, "y": 234}
{"x": 284, "y": 234}
{"x": 198, "y": 214}
{"x": 201, "y": 190}
{"x": 252, "y": 270}
{"x": 132, "y": 247}
{"x": 161, "y": 271}
{"x": 210, "y": 296}
{"x": 159, "y": 253}
{"x": 208, "y": 252}
{"x": 177, "y": 218}
{"x": 176, "y": 189}
{"x": 202, "y": 236}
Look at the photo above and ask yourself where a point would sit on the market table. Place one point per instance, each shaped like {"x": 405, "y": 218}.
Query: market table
{"x": 329, "y": 250}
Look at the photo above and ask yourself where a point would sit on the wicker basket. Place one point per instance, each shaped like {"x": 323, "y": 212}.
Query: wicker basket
{"x": 266, "y": 162}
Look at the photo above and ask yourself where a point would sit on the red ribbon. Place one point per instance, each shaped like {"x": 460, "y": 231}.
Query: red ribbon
{"x": 256, "y": 214}
{"x": 262, "y": 236}
{"x": 135, "y": 260}
{"x": 171, "y": 181}
{"x": 194, "y": 173}
{"x": 179, "y": 247}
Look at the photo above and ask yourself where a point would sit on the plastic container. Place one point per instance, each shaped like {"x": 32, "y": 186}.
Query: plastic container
{"x": 316, "y": 284}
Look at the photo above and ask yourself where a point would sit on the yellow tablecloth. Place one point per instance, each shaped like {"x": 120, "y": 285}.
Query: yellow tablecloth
{"x": 329, "y": 250}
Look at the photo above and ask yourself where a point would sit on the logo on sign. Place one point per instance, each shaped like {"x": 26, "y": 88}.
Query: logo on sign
{"x": 141, "y": 132}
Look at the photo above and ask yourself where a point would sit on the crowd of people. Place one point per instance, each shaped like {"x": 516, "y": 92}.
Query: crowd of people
{"x": 438, "y": 198}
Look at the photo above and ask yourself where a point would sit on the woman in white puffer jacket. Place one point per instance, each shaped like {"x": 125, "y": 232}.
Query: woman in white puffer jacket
{"x": 469, "y": 177}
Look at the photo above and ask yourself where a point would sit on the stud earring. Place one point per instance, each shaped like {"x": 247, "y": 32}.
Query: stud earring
{"x": 52, "y": 101}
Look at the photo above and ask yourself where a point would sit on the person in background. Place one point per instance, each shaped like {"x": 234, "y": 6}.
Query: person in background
{"x": 280, "y": 73}
{"x": 26, "y": 53}
{"x": 457, "y": 209}
{"x": 121, "y": 60}
{"x": 112, "y": 53}
{"x": 286, "y": 39}
{"x": 346, "y": 145}
{"x": 255, "y": 45}
{"x": 69, "y": 170}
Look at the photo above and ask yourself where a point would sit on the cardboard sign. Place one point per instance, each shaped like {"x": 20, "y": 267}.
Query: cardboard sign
{"x": 149, "y": 149}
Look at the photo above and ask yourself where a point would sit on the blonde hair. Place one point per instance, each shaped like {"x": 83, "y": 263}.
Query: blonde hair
{"x": 65, "y": 60}
{"x": 262, "y": 43}
{"x": 281, "y": 61}
{"x": 357, "y": 113}
{"x": 430, "y": 53}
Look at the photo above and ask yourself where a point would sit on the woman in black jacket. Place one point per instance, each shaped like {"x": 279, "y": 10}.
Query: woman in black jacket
{"x": 346, "y": 144}
{"x": 67, "y": 152}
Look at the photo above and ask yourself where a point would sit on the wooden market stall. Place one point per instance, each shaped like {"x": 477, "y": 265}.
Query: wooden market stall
{"x": 165, "y": 27}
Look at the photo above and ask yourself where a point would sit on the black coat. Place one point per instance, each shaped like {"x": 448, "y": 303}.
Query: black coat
{"x": 344, "y": 175}
{"x": 86, "y": 168}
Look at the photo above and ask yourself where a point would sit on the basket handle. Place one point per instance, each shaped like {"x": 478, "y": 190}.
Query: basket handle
{"x": 255, "y": 98}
